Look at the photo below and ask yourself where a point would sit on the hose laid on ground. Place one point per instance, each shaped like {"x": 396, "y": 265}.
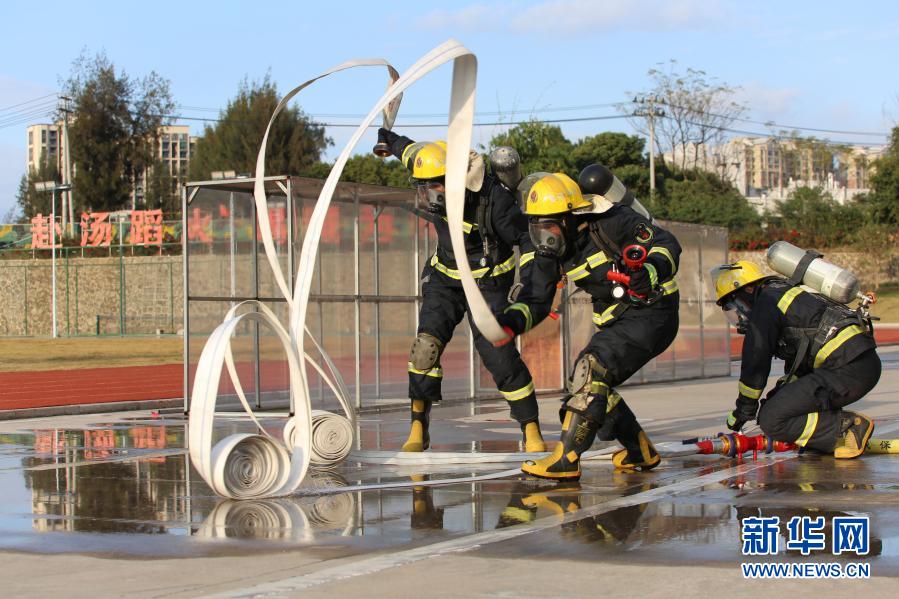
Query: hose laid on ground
{"x": 436, "y": 458}
{"x": 245, "y": 466}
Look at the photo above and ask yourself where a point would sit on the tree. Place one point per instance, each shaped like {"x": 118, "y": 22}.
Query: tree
{"x": 29, "y": 200}
{"x": 612, "y": 149}
{"x": 882, "y": 203}
{"x": 160, "y": 189}
{"x": 114, "y": 133}
{"x": 294, "y": 143}
{"x": 708, "y": 199}
{"x": 542, "y": 147}
{"x": 367, "y": 168}
{"x": 697, "y": 111}
{"x": 810, "y": 217}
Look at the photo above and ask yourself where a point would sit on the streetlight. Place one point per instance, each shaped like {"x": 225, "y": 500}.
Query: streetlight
{"x": 52, "y": 187}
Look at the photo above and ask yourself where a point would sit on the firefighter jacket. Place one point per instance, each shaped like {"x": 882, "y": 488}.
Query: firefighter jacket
{"x": 804, "y": 329}
{"x": 586, "y": 265}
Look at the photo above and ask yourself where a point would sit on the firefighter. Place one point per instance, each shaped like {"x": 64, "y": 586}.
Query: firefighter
{"x": 830, "y": 356}
{"x": 493, "y": 224}
{"x": 582, "y": 237}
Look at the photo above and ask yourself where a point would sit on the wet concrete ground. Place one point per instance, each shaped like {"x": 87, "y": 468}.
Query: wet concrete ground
{"x": 109, "y": 502}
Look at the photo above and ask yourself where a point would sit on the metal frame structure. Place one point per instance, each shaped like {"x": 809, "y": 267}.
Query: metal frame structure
{"x": 374, "y": 200}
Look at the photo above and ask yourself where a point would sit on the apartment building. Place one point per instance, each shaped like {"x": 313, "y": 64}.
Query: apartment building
{"x": 766, "y": 169}
{"x": 174, "y": 149}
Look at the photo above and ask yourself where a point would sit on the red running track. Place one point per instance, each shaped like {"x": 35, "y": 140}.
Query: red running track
{"x": 36, "y": 389}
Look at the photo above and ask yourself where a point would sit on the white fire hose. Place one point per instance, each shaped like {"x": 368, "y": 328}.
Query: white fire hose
{"x": 248, "y": 466}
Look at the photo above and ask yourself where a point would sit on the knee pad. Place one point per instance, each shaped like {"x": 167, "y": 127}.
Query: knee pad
{"x": 587, "y": 370}
{"x": 582, "y": 386}
{"x": 426, "y": 350}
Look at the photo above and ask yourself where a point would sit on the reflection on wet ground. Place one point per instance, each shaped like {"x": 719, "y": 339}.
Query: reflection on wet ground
{"x": 122, "y": 487}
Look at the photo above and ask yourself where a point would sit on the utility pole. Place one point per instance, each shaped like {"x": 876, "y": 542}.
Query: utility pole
{"x": 52, "y": 187}
{"x": 67, "y": 166}
{"x": 649, "y": 111}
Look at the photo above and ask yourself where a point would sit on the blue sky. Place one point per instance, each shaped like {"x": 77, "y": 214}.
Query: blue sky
{"x": 813, "y": 64}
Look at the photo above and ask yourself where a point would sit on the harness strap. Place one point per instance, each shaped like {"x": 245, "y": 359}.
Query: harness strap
{"x": 603, "y": 242}
{"x": 802, "y": 267}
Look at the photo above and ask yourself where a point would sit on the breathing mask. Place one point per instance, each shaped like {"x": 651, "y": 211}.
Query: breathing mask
{"x": 736, "y": 310}
{"x": 549, "y": 235}
{"x": 433, "y": 193}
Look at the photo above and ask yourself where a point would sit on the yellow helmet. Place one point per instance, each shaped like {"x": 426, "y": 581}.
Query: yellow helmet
{"x": 545, "y": 194}
{"x": 426, "y": 159}
{"x": 731, "y": 277}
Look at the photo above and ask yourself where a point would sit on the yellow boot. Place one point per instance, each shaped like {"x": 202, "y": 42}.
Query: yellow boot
{"x": 857, "y": 429}
{"x": 564, "y": 462}
{"x": 638, "y": 452}
{"x": 419, "y": 439}
{"x": 533, "y": 438}
{"x": 642, "y": 456}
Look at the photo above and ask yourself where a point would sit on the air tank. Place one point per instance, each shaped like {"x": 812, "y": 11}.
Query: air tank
{"x": 506, "y": 165}
{"x": 827, "y": 279}
{"x": 605, "y": 190}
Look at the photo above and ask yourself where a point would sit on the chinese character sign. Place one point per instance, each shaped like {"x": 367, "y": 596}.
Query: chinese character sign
{"x": 851, "y": 535}
{"x": 760, "y": 536}
{"x": 41, "y": 233}
{"x": 806, "y": 534}
{"x": 198, "y": 225}
{"x": 96, "y": 230}
{"x": 146, "y": 227}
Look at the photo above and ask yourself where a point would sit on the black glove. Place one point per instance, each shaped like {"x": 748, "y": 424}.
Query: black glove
{"x": 513, "y": 319}
{"x": 387, "y": 136}
{"x": 735, "y": 422}
{"x": 641, "y": 284}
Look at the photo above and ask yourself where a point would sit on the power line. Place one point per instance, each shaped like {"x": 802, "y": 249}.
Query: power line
{"x": 414, "y": 125}
{"x": 757, "y": 134}
{"x": 498, "y": 113}
{"x": 27, "y": 102}
{"x": 774, "y": 124}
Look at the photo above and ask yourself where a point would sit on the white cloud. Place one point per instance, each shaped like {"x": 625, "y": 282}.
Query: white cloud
{"x": 767, "y": 102}
{"x": 581, "y": 16}
{"x": 475, "y": 17}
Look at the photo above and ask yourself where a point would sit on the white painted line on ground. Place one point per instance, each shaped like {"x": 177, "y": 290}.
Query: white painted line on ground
{"x": 401, "y": 558}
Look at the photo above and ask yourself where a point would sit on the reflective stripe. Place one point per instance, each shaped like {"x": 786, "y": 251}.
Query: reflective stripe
{"x": 834, "y": 344}
{"x": 667, "y": 254}
{"x": 504, "y": 267}
{"x": 525, "y": 258}
{"x": 653, "y": 275}
{"x": 669, "y": 287}
{"x": 784, "y": 304}
{"x": 452, "y": 273}
{"x": 614, "y": 398}
{"x": 748, "y": 391}
{"x": 467, "y": 227}
{"x": 597, "y": 259}
{"x": 597, "y": 386}
{"x": 518, "y": 393}
{"x": 578, "y": 272}
{"x": 524, "y": 309}
{"x": 607, "y": 315}
{"x": 435, "y": 372}
{"x": 811, "y": 423}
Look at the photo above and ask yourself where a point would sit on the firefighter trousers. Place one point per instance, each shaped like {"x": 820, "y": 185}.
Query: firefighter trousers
{"x": 443, "y": 307}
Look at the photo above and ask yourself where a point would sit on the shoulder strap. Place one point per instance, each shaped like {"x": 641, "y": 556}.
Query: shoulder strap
{"x": 602, "y": 241}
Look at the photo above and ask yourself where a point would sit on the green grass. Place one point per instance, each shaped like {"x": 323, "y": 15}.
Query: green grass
{"x": 887, "y": 306}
